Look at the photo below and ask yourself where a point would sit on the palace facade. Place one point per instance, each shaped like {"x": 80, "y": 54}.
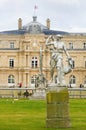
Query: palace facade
{"x": 20, "y": 54}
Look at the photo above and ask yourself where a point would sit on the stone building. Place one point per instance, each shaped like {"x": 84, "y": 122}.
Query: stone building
{"x": 20, "y": 53}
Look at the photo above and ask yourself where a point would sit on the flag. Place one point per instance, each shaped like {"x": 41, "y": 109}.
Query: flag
{"x": 35, "y": 7}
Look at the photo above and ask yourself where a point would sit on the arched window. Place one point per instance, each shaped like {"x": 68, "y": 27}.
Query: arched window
{"x": 34, "y": 63}
{"x": 72, "y": 79}
{"x": 11, "y": 79}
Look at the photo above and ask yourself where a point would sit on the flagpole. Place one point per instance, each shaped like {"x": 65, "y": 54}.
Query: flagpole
{"x": 35, "y": 8}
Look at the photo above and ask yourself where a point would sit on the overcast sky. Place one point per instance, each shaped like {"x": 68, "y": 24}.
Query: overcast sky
{"x": 65, "y": 15}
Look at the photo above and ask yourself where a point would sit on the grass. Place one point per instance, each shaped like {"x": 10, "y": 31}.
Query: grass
{"x": 24, "y": 114}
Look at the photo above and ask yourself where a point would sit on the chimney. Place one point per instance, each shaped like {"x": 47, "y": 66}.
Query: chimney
{"x": 48, "y": 23}
{"x": 19, "y": 23}
{"x": 34, "y": 18}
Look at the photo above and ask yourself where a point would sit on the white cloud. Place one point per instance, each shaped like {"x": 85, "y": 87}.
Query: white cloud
{"x": 66, "y": 2}
{"x": 78, "y": 29}
{"x": 64, "y": 14}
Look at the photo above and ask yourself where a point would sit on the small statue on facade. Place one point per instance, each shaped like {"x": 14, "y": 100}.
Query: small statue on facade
{"x": 57, "y": 48}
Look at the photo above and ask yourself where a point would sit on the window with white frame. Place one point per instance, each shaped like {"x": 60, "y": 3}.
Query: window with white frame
{"x": 85, "y": 80}
{"x": 73, "y": 64}
{"x": 84, "y": 45}
{"x": 11, "y": 79}
{"x": 12, "y": 45}
{"x": 11, "y": 63}
{"x": 70, "y": 45}
{"x": 85, "y": 64}
{"x": 72, "y": 79}
{"x": 33, "y": 79}
{"x": 56, "y": 78}
{"x": 34, "y": 63}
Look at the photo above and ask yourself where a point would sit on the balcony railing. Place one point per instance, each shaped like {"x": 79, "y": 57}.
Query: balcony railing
{"x": 76, "y": 49}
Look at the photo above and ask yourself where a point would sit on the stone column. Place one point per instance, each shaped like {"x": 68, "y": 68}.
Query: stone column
{"x": 57, "y": 107}
{"x": 26, "y": 79}
{"x": 26, "y": 60}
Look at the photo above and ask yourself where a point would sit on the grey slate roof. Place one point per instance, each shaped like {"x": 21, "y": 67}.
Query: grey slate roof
{"x": 34, "y": 27}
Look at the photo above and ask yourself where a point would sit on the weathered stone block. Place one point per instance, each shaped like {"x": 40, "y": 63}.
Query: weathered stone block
{"x": 57, "y": 107}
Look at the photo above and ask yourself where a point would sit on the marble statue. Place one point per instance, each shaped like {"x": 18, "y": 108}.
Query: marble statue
{"x": 57, "y": 91}
{"x": 57, "y": 47}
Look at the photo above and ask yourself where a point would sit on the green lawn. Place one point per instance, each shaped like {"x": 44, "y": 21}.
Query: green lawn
{"x": 24, "y": 114}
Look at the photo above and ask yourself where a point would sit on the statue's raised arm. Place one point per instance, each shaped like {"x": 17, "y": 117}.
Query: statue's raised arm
{"x": 49, "y": 40}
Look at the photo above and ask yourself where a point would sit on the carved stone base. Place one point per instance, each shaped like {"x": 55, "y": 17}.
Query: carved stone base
{"x": 57, "y": 107}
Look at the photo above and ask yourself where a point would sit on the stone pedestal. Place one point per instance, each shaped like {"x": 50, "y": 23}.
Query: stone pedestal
{"x": 57, "y": 107}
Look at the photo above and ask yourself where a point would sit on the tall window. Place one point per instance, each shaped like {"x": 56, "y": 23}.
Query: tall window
{"x": 73, "y": 65}
{"x": 85, "y": 80}
{"x": 84, "y": 45}
{"x": 72, "y": 79}
{"x": 34, "y": 63}
{"x": 11, "y": 63}
{"x": 27, "y": 47}
{"x": 33, "y": 78}
{"x": 70, "y": 45}
{"x": 11, "y": 79}
{"x": 12, "y": 45}
{"x": 85, "y": 64}
{"x": 56, "y": 78}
